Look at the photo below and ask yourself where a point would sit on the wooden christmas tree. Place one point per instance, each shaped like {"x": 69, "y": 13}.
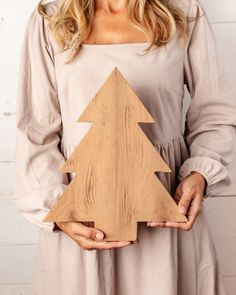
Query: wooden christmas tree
{"x": 115, "y": 185}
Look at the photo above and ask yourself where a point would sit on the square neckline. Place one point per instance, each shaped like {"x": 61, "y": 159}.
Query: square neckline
{"x": 127, "y": 44}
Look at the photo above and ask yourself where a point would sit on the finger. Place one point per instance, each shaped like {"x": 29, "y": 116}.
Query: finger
{"x": 179, "y": 225}
{"x": 156, "y": 223}
{"x": 173, "y": 224}
{"x": 83, "y": 230}
{"x": 88, "y": 244}
{"x": 193, "y": 211}
{"x": 87, "y": 232}
{"x": 184, "y": 201}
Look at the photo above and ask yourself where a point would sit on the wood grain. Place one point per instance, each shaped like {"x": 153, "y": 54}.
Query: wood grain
{"x": 115, "y": 184}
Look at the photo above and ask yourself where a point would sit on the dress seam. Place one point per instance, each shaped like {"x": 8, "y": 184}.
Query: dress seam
{"x": 179, "y": 136}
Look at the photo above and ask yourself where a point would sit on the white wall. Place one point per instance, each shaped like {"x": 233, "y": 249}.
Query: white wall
{"x": 18, "y": 238}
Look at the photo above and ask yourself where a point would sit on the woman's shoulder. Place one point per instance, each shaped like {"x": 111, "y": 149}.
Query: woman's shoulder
{"x": 50, "y": 6}
{"x": 37, "y": 26}
{"x": 189, "y": 7}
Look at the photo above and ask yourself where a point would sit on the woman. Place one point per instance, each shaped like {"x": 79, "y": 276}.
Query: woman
{"x": 55, "y": 86}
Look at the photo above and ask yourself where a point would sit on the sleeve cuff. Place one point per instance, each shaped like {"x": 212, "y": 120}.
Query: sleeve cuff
{"x": 35, "y": 206}
{"x": 212, "y": 170}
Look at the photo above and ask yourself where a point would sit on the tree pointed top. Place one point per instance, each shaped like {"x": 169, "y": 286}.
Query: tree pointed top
{"x": 115, "y": 97}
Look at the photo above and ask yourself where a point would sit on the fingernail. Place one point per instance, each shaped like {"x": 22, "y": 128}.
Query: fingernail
{"x": 182, "y": 209}
{"x": 99, "y": 236}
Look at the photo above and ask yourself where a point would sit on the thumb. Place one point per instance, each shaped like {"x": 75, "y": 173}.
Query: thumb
{"x": 95, "y": 233}
{"x": 89, "y": 232}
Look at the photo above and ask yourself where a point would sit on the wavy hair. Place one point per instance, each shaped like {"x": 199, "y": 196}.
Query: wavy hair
{"x": 71, "y": 22}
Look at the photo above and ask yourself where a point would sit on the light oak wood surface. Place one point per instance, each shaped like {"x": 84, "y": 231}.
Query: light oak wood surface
{"x": 115, "y": 184}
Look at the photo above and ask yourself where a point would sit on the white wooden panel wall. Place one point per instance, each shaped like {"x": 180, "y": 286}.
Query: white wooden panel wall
{"x": 18, "y": 238}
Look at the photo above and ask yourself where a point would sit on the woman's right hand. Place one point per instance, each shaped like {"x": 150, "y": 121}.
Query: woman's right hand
{"x": 88, "y": 237}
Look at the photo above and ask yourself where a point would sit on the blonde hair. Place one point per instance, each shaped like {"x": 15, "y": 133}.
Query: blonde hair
{"x": 71, "y": 22}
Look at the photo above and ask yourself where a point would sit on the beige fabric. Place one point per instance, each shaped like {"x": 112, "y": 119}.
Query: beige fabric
{"x": 51, "y": 97}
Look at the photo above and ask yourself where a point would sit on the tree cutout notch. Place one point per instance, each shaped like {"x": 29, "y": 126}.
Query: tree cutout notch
{"x": 115, "y": 185}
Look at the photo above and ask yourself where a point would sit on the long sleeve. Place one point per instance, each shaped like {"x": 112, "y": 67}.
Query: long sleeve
{"x": 38, "y": 183}
{"x": 211, "y": 117}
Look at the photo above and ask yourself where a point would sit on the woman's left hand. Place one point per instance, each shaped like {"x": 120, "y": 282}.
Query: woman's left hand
{"x": 188, "y": 196}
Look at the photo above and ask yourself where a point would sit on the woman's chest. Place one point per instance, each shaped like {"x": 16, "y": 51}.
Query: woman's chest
{"x": 155, "y": 77}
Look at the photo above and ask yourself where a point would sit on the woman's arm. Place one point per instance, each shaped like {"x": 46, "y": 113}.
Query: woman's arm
{"x": 210, "y": 121}
{"x": 211, "y": 117}
{"x": 38, "y": 183}
{"x": 37, "y": 180}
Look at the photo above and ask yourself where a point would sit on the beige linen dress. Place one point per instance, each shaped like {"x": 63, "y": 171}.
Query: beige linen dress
{"x": 51, "y": 97}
